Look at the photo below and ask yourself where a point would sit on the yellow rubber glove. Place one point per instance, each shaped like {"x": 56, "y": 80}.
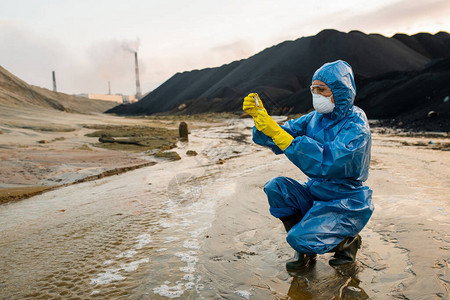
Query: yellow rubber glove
{"x": 250, "y": 106}
{"x": 269, "y": 127}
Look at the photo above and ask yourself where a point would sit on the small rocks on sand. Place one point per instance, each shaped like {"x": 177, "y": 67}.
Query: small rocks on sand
{"x": 191, "y": 153}
{"x": 183, "y": 130}
{"x": 171, "y": 155}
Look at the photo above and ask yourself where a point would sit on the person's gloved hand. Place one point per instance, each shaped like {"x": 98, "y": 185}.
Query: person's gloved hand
{"x": 250, "y": 106}
{"x": 269, "y": 127}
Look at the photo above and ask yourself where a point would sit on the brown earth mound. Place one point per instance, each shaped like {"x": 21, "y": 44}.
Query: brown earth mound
{"x": 17, "y": 93}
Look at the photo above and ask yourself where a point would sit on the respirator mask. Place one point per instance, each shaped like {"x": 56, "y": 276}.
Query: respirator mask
{"x": 322, "y": 104}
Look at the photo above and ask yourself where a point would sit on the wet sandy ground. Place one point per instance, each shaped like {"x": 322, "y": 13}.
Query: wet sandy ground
{"x": 46, "y": 148}
{"x": 200, "y": 228}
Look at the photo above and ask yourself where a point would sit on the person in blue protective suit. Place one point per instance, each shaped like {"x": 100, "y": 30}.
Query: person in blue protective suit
{"x": 331, "y": 145}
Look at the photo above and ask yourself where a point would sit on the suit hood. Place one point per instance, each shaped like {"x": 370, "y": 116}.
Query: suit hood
{"x": 338, "y": 75}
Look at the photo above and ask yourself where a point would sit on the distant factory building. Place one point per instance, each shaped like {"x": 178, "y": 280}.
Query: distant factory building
{"x": 119, "y": 98}
{"x": 105, "y": 97}
{"x": 129, "y": 99}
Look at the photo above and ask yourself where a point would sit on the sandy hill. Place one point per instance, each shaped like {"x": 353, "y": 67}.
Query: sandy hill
{"x": 16, "y": 92}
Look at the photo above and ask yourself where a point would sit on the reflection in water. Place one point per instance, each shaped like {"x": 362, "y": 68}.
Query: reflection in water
{"x": 318, "y": 280}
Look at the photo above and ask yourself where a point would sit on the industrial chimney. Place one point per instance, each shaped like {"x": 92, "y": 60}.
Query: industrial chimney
{"x": 54, "y": 81}
{"x": 138, "y": 84}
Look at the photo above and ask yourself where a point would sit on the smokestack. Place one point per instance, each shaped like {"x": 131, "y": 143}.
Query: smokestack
{"x": 138, "y": 84}
{"x": 54, "y": 81}
{"x": 109, "y": 88}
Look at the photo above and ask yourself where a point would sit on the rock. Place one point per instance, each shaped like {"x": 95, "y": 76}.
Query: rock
{"x": 184, "y": 132}
{"x": 181, "y": 106}
{"x": 191, "y": 153}
{"x": 106, "y": 139}
{"x": 351, "y": 292}
{"x": 431, "y": 114}
{"x": 171, "y": 155}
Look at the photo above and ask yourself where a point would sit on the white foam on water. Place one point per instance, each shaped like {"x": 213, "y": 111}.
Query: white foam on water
{"x": 166, "y": 224}
{"x": 191, "y": 244}
{"x": 128, "y": 253}
{"x": 94, "y": 292}
{"x": 197, "y": 232}
{"x": 187, "y": 269}
{"x": 189, "y": 212}
{"x": 108, "y": 276}
{"x": 187, "y": 257}
{"x": 243, "y": 294}
{"x": 183, "y": 223}
{"x": 143, "y": 240}
{"x": 132, "y": 266}
{"x": 189, "y": 277}
{"x": 171, "y": 239}
{"x": 189, "y": 285}
{"x": 187, "y": 222}
{"x": 169, "y": 291}
{"x": 111, "y": 275}
{"x": 170, "y": 208}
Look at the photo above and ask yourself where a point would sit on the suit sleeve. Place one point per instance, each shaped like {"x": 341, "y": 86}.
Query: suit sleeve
{"x": 295, "y": 128}
{"x": 344, "y": 157}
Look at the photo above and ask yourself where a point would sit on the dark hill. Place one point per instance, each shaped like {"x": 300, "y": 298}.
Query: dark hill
{"x": 16, "y": 92}
{"x": 431, "y": 46}
{"x": 282, "y": 73}
{"x": 409, "y": 97}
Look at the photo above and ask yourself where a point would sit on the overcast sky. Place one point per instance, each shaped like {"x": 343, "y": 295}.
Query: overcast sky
{"x": 88, "y": 42}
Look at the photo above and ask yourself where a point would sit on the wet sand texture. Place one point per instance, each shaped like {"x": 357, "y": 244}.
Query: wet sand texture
{"x": 44, "y": 148}
{"x": 192, "y": 228}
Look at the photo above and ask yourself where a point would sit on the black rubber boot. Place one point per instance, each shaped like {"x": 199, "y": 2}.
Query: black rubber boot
{"x": 345, "y": 252}
{"x": 300, "y": 260}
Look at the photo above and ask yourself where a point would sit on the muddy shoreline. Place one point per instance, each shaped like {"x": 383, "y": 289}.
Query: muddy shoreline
{"x": 129, "y": 144}
{"x": 42, "y": 150}
{"x": 16, "y": 194}
{"x": 205, "y": 226}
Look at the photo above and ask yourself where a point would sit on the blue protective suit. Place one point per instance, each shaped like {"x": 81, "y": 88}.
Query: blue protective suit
{"x": 333, "y": 150}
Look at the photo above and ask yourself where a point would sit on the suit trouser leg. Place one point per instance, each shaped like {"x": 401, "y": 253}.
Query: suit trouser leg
{"x": 289, "y": 201}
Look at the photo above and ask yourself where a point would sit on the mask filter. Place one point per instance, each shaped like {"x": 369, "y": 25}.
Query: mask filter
{"x": 322, "y": 104}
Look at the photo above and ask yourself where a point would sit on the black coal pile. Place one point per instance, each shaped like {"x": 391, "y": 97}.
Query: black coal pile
{"x": 395, "y": 77}
{"x": 416, "y": 100}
